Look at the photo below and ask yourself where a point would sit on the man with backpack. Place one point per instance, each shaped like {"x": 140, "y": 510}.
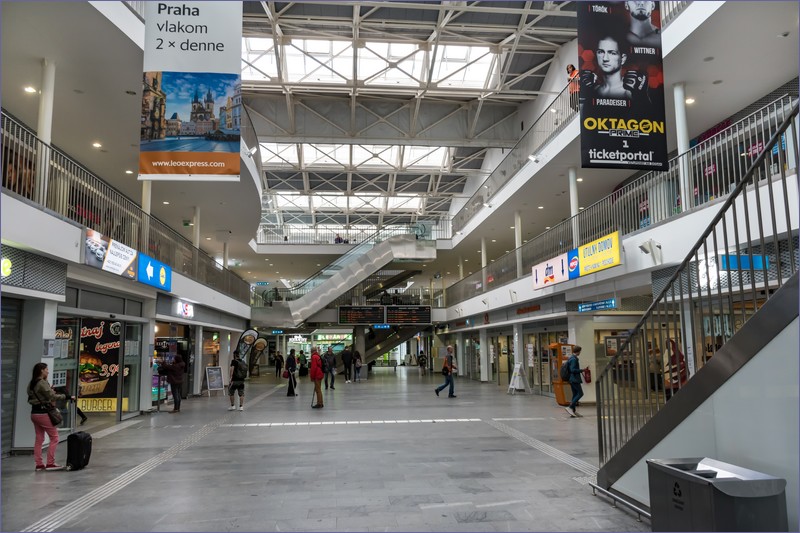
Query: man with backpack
{"x": 447, "y": 372}
{"x": 237, "y": 377}
{"x": 575, "y": 372}
{"x": 329, "y": 367}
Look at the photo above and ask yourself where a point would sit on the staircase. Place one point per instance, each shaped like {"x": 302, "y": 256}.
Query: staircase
{"x": 723, "y": 314}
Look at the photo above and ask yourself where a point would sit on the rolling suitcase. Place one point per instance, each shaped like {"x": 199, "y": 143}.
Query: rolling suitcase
{"x": 79, "y": 449}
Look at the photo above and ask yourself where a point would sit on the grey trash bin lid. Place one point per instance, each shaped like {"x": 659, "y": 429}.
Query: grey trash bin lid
{"x": 727, "y": 478}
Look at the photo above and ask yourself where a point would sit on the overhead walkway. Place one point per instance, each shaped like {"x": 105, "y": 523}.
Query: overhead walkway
{"x": 711, "y": 368}
{"x": 298, "y": 304}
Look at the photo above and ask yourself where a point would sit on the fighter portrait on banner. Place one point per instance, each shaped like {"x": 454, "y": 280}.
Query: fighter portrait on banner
{"x": 621, "y": 86}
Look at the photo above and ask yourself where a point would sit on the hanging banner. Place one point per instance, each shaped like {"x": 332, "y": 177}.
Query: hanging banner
{"x": 621, "y": 86}
{"x": 191, "y": 91}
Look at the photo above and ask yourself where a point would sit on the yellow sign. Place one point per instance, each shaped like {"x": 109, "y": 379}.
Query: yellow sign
{"x": 5, "y": 267}
{"x": 101, "y": 405}
{"x": 600, "y": 254}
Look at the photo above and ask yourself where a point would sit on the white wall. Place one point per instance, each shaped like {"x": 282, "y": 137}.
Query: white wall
{"x": 29, "y": 228}
{"x": 751, "y": 421}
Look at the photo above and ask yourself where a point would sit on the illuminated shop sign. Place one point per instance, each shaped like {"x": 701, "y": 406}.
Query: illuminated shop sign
{"x": 593, "y": 257}
{"x": 184, "y": 309}
{"x": 610, "y": 303}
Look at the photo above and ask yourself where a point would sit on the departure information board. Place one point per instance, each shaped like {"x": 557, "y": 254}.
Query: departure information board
{"x": 408, "y": 314}
{"x": 353, "y": 314}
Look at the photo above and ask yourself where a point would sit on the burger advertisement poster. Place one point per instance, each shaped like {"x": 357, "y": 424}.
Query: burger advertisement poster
{"x": 621, "y": 86}
{"x": 99, "y": 367}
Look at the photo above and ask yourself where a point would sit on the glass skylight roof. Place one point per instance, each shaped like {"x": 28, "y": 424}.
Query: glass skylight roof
{"x": 347, "y": 157}
{"x": 337, "y": 202}
{"x": 316, "y": 61}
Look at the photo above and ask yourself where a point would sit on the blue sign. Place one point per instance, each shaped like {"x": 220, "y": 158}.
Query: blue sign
{"x": 262, "y": 283}
{"x": 573, "y": 264}
{"x": 154, "y": 273}
{"x": 743, "y": 262}
{"x": 381, "y": 326}
{"x": 611, "y": 303}
{"x": 277, "y": 332}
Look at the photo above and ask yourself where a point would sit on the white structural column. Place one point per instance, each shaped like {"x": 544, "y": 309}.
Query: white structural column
{"x": 225, "y": 254}
{"x": 197, "y": 365}
{"x": 196, "y": 234}
{"x": 520, "y": 356}
{"x": 148, "y": 342}
{"x": 682, "y": 134}
{"x": 484, "y": 262}
{"x": 147, "y": 197}
{"x": 483, "y": 338}
{"x": 518, "y": 240}
{"x": 45, "y": 128}
{"x": 580, "y": 331}
{"x": 460, "y": 268}
{"x": 461, "y": 358}
{"x": 574, "y": 205}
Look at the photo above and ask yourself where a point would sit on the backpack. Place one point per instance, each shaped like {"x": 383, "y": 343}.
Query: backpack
{"x": 240, "y": 372}
{"x": 323, "y": 363}
{"x": 564, "y": 372}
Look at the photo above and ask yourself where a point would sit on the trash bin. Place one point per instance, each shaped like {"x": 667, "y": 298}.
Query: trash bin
{"x": 702, "y": 494}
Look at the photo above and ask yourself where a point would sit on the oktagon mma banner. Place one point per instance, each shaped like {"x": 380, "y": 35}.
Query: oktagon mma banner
{"x": 191, "y": 92}
{"x": 621, "y": 86}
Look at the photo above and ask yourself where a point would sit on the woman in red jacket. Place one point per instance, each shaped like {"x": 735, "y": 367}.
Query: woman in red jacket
{"x": 316, "y": 375}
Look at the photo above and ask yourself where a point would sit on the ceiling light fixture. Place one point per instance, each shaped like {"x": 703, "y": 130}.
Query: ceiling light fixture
{"x": 690, "y": 100}
{"x": 547, "y": 227}
{"x": 97, "y": 144}
{"x": 459, "y": 233}
{"x": 579, "y": 180}
{"x": 129, "y": 172}
{"x": 30, "y": 90}
{"x": 165, "y": 203}
{"x": 541, "y": 207}
{"x": 580, "y": 208}
{"x": 208, "y": 238}
{"x": 494, "y": 240}
{"x": 487, "y": 205}
{"x": 534, "y": 158}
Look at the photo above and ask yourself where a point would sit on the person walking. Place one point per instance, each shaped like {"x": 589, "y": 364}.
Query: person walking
{"x": 315, "y": 373}
{"x": 357, "y": 363}
{"x": 174, "y": 372}
{"x": 291, "y": 368}
{"x": 41, "y": 397}
{"x": 278, "y": 364}
{"x": 330, "y": 363}
{"x": 447, "y": 371}
{"x": 347, "y": 361}
{"x": 575, "y": 372}
{"x": 236, "y": 380}
{"x": 422, "y": 360}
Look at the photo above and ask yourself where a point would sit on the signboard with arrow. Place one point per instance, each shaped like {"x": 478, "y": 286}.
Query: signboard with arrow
{"x": 551, "y": 272}
{"x": 154, "y": 273}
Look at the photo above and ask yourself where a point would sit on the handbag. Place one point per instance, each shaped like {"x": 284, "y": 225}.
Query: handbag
{"x": 52, "y": 411}
{"x": 358, "y": 363}
{"x": 286, "y": 374}
{"x": 445, "y": 371}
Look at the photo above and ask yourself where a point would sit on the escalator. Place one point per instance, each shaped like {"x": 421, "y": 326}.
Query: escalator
{"x": 388, "y": 341}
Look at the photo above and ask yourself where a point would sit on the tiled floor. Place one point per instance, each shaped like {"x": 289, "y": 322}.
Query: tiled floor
{"x": 383, "y": 455}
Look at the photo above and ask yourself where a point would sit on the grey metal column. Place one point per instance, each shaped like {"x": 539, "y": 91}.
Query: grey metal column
{"x": 483, "y": 338}
{"x": 518, "y": 241}
{"x": 198, "y": 367}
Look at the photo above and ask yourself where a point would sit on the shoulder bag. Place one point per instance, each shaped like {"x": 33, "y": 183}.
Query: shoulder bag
{"x": 52, "y": 411}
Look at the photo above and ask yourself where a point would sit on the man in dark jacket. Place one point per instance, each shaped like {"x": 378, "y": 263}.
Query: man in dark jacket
{"x": 347, "y": 361}
{"x": 575, "y": 371}
{"x": 330, "y": 361}
{"x": 174, "y": 374}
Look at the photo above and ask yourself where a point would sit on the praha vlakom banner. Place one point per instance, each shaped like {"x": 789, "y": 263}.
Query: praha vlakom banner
{"x": 621, "y": 85}
{"x": 191, "y": 91}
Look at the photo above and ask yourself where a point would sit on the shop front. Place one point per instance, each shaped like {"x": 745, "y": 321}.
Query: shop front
{"x": 202, "y": 336}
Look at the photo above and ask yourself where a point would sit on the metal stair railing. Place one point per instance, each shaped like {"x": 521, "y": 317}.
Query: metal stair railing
{"x": 748, "y": 251}
{"x": 49, "y": 178}
{"x": 711, "y": 167}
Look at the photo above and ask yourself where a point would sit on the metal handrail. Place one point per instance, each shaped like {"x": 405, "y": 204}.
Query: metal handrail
{"x": 51, "y": 179}
{"x": 711, "y": 166}
{"x": 747, "y": 252}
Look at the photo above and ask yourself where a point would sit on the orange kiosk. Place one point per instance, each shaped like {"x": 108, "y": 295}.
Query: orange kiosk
{"x": 559, "y": 353}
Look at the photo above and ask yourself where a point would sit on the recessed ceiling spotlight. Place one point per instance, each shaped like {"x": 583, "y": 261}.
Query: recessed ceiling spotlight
{"x": 165, "y": 203}
{"x": 533, "y": 158}
{"x": 492, "y": 261}
{"x": 129, "y": 172}
{"x": 541, "y": 207}
{"x": 97, "y": 144}
{"x": 547, "y": 227}
{"x": 511, "y": 227}
{"x": 466, "y": 260}
{"x": 30, "y": 90}
{"x": 277, "y": 272}
{"x": 579, "y": 180}
{"x": 208, "y": 238}
{"x": 580, "y": 208}
{"x": 690, "y": 100}
{"x": 494, "y": 240}
{"x": 448, "y": 273}
{"x": 552, "y": 109}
